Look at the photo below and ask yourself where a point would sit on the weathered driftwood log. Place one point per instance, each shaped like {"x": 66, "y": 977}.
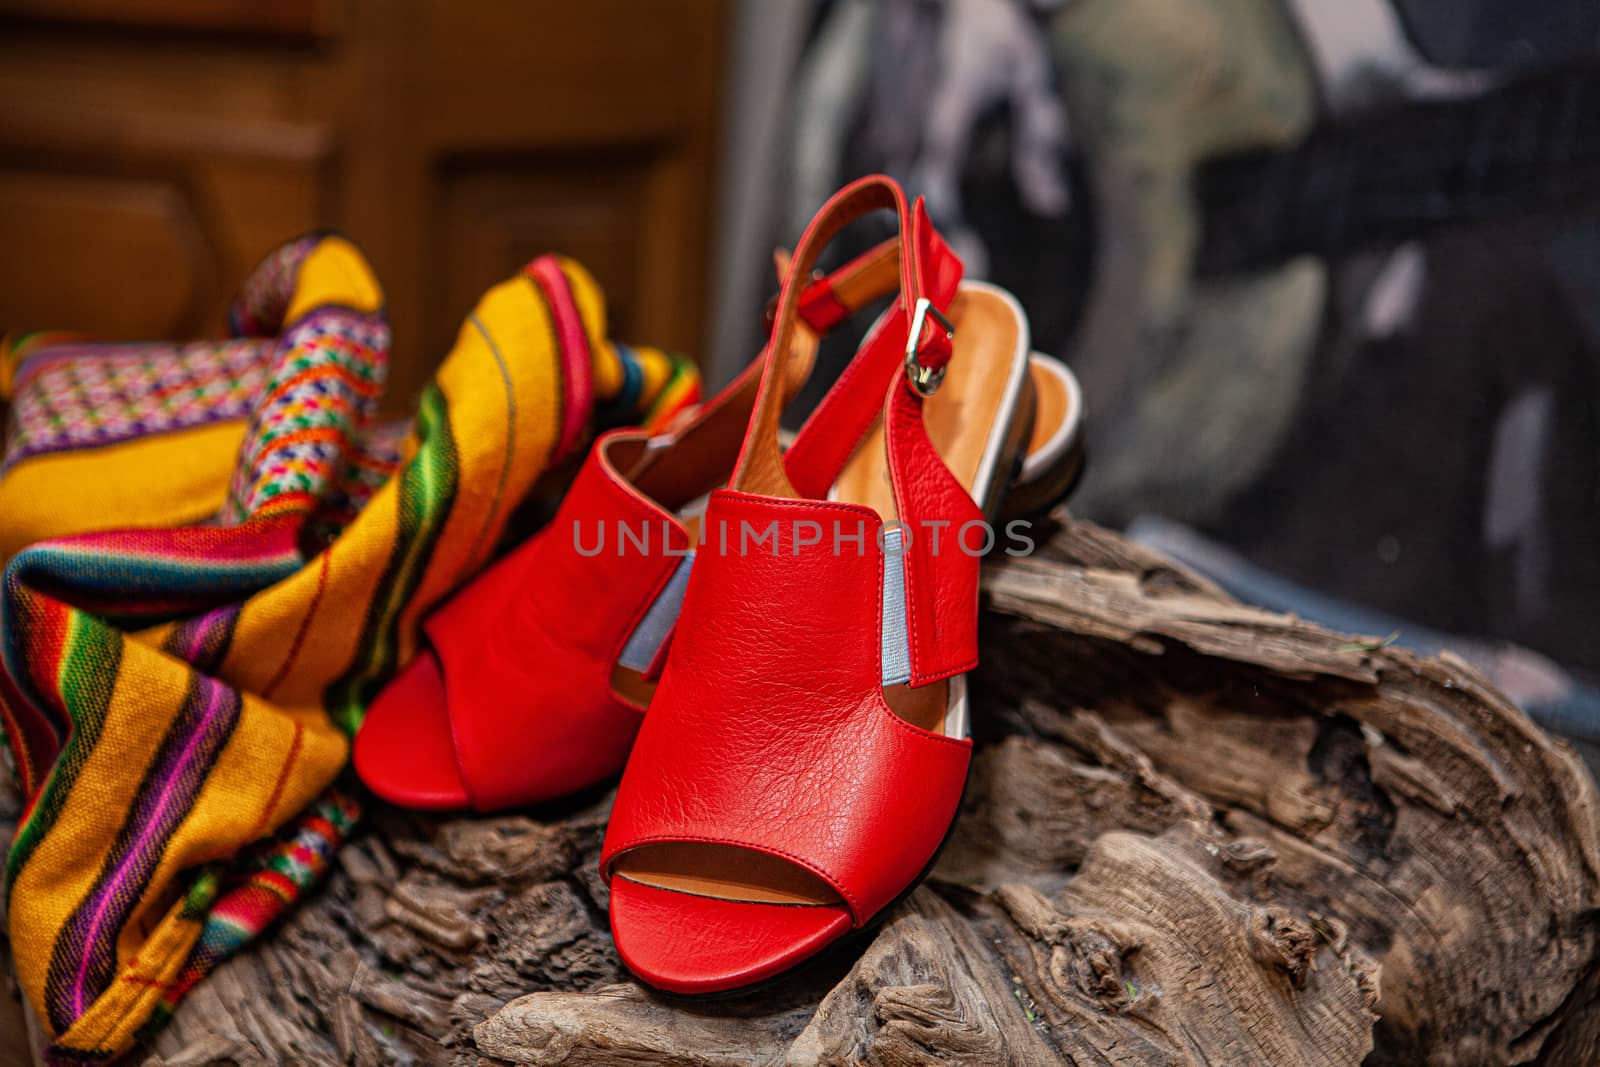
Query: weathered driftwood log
{"x": 1195, "y": 833}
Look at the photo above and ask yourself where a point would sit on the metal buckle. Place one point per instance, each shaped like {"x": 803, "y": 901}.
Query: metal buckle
{"x": 925, "y": 380}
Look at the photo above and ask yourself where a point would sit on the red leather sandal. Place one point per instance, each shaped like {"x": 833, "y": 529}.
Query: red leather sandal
{"x": 807, "y": 747}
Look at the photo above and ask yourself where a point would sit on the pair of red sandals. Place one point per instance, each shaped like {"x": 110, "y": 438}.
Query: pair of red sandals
{"x": 806, "y": 744}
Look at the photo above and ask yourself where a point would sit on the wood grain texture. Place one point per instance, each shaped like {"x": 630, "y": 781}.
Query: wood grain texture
{"x": 152, "y": 151}
{"x": 1196, "y": 833}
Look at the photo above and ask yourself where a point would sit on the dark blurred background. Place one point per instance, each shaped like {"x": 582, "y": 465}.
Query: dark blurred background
{"x": 1329, "y": 273}
{"x": 1329, "y": 270}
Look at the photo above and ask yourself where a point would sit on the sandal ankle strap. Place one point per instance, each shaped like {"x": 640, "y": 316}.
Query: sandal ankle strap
{"x": 855, "y": 402}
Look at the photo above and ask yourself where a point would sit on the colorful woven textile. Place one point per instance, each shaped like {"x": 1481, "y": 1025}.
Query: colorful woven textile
{"x": 217, "y": 557}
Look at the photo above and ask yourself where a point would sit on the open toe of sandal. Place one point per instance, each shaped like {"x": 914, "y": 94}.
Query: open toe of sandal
{"x": 511, "y": 701}
{"x": 688, "y": 943}
{"x": 404, "y": 751}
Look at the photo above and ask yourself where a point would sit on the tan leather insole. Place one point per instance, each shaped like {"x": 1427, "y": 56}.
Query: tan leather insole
{"x": 961, "y": 419}
{"x": 924, "y": 706}
{"x": 1049, "y": 407}
{"x": 726, "y": 871}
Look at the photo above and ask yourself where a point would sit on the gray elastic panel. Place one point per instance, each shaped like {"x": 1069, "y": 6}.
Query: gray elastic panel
{"x": 896, "y": 645}
{"x": 657, "y": 623}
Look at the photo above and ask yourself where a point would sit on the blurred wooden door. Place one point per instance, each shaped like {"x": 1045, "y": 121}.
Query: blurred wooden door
{"x": 151, "y": 151}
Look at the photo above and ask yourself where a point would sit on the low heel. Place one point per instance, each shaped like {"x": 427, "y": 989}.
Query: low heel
{"x": 1013, "y": 453}
{"x": 1055, "y": 457}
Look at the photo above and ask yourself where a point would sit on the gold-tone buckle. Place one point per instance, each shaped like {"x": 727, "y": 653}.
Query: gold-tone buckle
{"x": 925, "y": 380}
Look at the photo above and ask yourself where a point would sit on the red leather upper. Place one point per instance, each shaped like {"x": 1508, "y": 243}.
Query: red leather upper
{"x": 714, "y": 944}
{"x": 769, "y": 729}
{"x": 527, "y": 649}
{"x": 825, "y": 443}
{"x": 941, "y": 578}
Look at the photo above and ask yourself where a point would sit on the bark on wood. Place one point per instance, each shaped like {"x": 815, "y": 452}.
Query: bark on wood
{"x": 1196, "y": 833}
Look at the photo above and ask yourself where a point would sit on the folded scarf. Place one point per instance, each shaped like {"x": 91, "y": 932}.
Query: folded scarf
{"x": 217, "y": 556}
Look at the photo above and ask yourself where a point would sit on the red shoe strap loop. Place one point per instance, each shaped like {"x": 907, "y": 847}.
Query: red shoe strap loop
{"x": 927, "y": 271}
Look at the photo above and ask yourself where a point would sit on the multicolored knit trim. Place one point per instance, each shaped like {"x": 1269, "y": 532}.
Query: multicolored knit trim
{"x": 326, "y": 385}
{"x": 75, "y": 396}
{"x": 83, "y": 959}
{"x": 263, "y": 301}
{"x": 17, "y": 348}
{"x": 180, "y": 569}
{"x": 203, "y": 641}
{"x": 49, "y": 648}
{"x": 572, "y": 342}
{"x": 680, "y": 392}
{"x": 238, "y": 907}
{"x": 29, "y": 734}
{"x": 427, "y": 491}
